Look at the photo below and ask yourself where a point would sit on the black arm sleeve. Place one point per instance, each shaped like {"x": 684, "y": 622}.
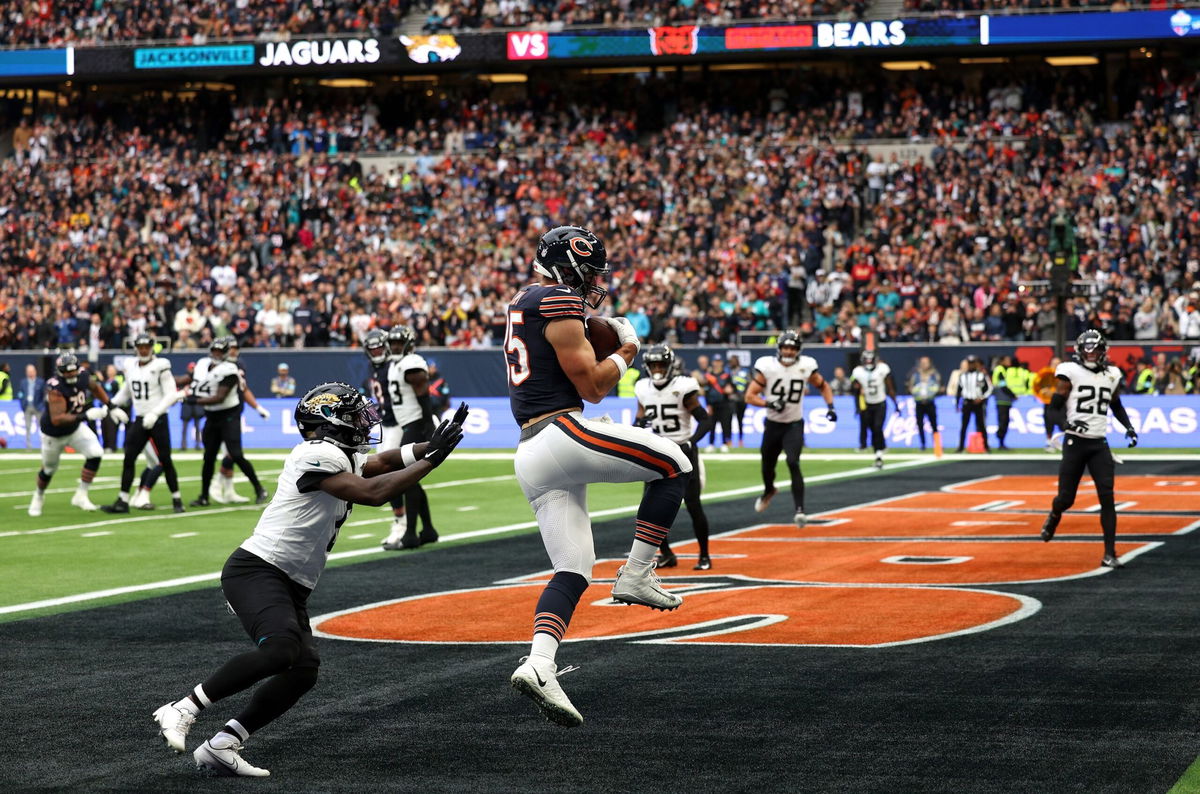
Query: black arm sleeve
{"x": 1058, "y": 402}
{"x": 426, "y": 406}
{"x": 703, "y": 424}
{"x": 1118, "y": 409}
{"x": 311, "y": 481}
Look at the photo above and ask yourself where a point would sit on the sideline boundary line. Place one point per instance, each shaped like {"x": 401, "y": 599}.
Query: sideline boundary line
{"x": 478, "y": 533}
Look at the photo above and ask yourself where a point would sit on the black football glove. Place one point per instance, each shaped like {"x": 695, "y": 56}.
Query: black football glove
{"x": 831, "y": 415}
{"x": 1131, "y": 434}
{"x": 776, "y": 404}
{"x": 446, "y": 437}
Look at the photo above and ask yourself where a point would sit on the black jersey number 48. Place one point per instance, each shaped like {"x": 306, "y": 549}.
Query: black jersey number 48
{"x": 793, "y": 393}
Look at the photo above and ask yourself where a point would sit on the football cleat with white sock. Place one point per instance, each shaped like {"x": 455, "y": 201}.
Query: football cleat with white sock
{"x": 223, "y": 757}
{"x": 643, "y": 587}
{"x": 35, "y": 504}
{"x": 81, "y": 500}
{"x": 537, "y": 679}
{"x": 174, "y": 724}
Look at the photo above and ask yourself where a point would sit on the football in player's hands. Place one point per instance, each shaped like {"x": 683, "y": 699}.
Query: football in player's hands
{"x": 603, "y": 337}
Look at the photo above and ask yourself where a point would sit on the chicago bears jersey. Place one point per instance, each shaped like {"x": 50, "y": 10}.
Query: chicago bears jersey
{"x": 77, "y": 393}
{"x": 663, "y": 408}
{"x": 536, "y": 382}
{"x": 873, "y": 382}
{"x": 1091, "y": 392}
{"x": 209, "y": 376}
{"x": 381, "y": 393}
{"x": 300, "y": 525}
{"x": 785, "y": 382}
{"x": 147, "y": 385}
{"x": 403, "y": 396}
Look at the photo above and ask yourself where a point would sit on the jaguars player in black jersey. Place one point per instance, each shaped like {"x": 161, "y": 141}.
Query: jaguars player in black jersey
{"x": 1087, "y": 389}
{"x": 69, "y": 395}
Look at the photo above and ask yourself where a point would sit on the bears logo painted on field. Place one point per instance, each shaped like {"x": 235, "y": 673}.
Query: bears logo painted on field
{"x": 677, "y": 40}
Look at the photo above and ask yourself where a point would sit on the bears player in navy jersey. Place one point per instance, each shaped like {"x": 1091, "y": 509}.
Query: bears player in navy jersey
{"x": 69, "y": 395}
{"x": 1087, "y": 388}
{"x": 552, "y": 370}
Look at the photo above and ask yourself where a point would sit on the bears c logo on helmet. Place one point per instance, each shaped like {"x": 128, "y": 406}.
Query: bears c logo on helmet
{"x": 581, "y": 246}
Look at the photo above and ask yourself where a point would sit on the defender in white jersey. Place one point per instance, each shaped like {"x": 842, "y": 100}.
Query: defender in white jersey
{"x": 871, "y": 383}
{"x": 408, "y": 390}
{"x": 1087, "y": 387}
{"x": 215, "y": 386}
{"x": 150, "y": 387}
{"x": 669, "y": 404}
{"x": 778, "y": 385}
{"x": 268, "y": 579}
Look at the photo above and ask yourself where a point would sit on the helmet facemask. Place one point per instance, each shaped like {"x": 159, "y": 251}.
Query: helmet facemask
{"x": 788, "y": 354}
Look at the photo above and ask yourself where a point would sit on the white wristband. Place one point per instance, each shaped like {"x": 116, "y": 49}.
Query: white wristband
{"x": 620, "y": 362}
{"x": 407, "y": 455}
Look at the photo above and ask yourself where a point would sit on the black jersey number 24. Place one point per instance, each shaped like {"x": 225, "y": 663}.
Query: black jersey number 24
{"x": 1094, "y": 399}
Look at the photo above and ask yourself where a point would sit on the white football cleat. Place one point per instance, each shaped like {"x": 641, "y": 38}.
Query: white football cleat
{"x": 80, "y": 500}
{"x": 226, "y": 760}
{"x": 643, "y": 588}
{"x": 800, "y": 519}
{"x": 35, "y": 504}
{"x": 762, "y": 502}
{"x": 141, "y": 499}
{"x": 173, "y": 725}
{"x": 537, "y": 679}
{"x": 231, "y": 496}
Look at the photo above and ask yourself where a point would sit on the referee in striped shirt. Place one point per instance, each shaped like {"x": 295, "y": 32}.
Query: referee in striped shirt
{"x": 974, "y": 388}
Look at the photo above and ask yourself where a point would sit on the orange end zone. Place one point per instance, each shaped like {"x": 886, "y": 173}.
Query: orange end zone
{"x": 759, "y": 614}
{"x": 879, "y": 523}
{"x": 855, "y": 562}
{"x": 1084, "y": 498}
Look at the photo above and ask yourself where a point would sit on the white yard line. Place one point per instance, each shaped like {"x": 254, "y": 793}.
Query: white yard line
{"x": 343, "y": 555}
{"x": 114, "y": 484}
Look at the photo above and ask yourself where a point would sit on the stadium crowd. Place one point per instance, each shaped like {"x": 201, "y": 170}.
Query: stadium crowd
{"x": 80, "y": 22}
{"x": 201, "y": 221}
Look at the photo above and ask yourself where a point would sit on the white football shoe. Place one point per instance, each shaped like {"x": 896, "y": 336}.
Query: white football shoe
{"x": 35, "y": 504}
{"x": 226, "y": 760}
{"x": 174, "y": 724}
{"x": 643, "y": 588}
{"x": 80, "y": 500}
{"x": 141, "y": 500}
{"x": 231, "y": 496}
{"x": 761, "y": 503}
{"x": 800, "y": 519}
{"x": 537, "y": 679}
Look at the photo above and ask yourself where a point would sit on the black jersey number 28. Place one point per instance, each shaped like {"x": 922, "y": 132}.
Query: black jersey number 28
{"x": 1094, "y": 399}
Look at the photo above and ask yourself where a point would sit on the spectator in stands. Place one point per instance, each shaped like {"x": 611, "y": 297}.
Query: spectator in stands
{"x": 283, "y": 384}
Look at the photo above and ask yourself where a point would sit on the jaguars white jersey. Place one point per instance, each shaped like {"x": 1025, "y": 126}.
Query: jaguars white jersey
{"x": 873, "y": 382}
{"x": 404, "y": 397}
{"x": 1091, "y": 393}
{"x": 663, "y": 408}
{"x": 300, "y": 525}
{"x": 207, "y": 378}
{"x": 785, "y": 382}
{"x": 150, "y": 386}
